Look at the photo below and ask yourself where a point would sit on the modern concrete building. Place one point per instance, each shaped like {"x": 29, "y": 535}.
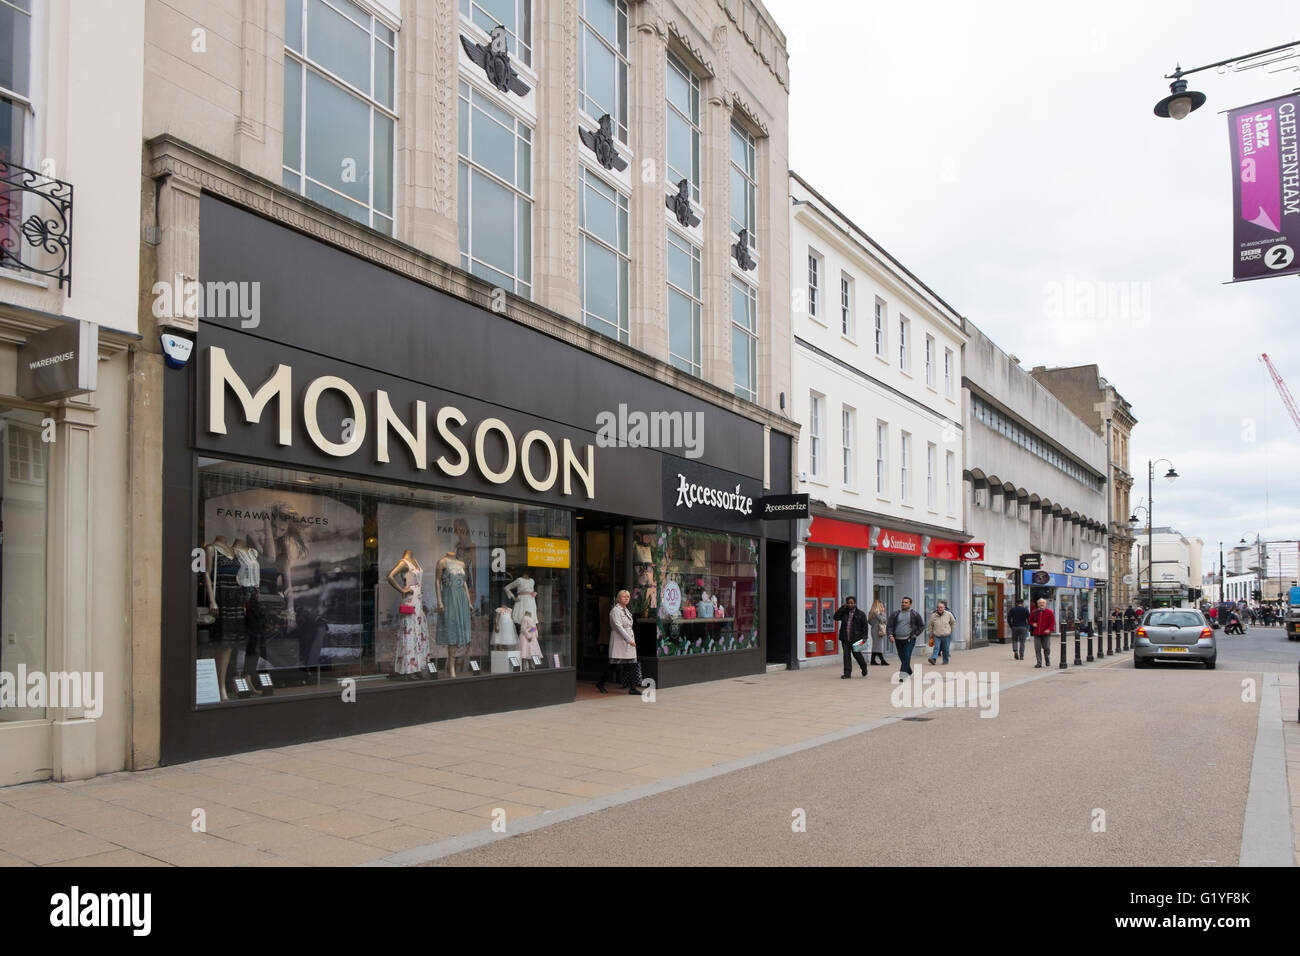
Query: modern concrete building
{"x": 1274, "y": 564}
{"x": 1170, "y": 568}
{"x": 1096, "y": 401}
{"x": 877, "y": 388}
{"x": 1036, "y": 484}
{"x": 69, "y": 293}
{"x": 517, "y": 277}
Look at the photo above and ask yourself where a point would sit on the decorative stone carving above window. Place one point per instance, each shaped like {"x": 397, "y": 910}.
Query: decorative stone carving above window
{"x": 601, "y": 142}
{"x": 680, "y": 205}
{"x": 740, "y": 251}
{"x": 495, "y": 61}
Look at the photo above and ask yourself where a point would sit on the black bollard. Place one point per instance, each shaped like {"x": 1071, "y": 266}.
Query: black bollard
{"x": 1063, "y": 664}
{"x": 1078, "y": 641}
{"x": 1090, "y": 657}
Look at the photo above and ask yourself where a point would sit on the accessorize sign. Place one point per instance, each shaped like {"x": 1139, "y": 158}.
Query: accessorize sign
{"x": 59, "y": 362}
{"x": 695, "y": 494}
{"x": 1265, "y": 188}
{"x": 783, "y": 507}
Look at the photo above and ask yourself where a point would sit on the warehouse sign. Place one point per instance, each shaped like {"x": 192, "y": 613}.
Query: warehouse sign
{"x": 59, "y": 362}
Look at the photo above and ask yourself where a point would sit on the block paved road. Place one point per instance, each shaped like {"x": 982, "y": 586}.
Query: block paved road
{"x": 1165, "y": 753}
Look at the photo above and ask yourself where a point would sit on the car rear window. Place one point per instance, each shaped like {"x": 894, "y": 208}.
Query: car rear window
{"x": 1171, "y": 619}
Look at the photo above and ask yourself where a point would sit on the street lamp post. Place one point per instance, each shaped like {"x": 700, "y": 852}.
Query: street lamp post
{"x": 1181, "y": 101}
{"x": 1151, "y": 564}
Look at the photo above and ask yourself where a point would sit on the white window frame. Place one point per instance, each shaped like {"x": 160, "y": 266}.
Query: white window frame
{"x": 747, "y": 390}
{"x": 520, "y": 284}
{"x": 948, "y": 356}
{"x": 904, "y": 358}
{"x": 296, "y": 177}
{"x": 882, "y": 330}
{"x": 588, "y": 179}
{"x": 846, "y": 306}
{"x": 25, "y": 454}
{"x": 692, "y": 364}
{"x": 749, "y": 182}
{"x": 814, "y": 434}
{"x": 848, "y": 424}
{"x": 931, "y": 466}
{"x": 905, "y": 456}
{"x": 675, "y": 64}
{"x": 950, "y": 464}
{"x": 618, "y": 113}
{"x": 520, "y": 49}
{"x": 929, "y": 360}
{"x": 882, "y": 458}
{"x": 816, "y": 269}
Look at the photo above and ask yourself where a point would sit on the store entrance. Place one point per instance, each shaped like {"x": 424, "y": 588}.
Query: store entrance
{"x": 602, "y": 572}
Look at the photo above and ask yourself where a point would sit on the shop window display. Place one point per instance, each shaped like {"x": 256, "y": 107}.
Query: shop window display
{"x": 696, "y": 591}
{"x": 308, "y": 580}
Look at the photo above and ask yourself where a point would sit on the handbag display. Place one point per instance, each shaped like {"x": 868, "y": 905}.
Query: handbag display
{"x": 406, "y": 609}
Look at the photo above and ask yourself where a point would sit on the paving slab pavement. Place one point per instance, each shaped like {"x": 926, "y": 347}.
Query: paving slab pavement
{"x": 386, "y": 798}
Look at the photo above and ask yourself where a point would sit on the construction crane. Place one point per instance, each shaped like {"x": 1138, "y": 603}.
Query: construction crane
{"x": 1282, "y": 390}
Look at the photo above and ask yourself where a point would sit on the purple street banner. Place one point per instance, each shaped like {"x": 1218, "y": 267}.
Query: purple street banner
{"x": 1265, "y": 188}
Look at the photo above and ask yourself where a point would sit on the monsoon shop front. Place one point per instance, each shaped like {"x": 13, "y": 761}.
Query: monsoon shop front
{"x": 386, "y": 505}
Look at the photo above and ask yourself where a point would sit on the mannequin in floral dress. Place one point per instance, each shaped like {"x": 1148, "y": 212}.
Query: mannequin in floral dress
{"x": 412, "y": 629}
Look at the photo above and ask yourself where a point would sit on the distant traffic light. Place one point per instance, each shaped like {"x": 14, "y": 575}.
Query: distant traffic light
{"x": 1257, "y": 594}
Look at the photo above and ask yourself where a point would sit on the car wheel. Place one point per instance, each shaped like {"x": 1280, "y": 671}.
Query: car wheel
{"x": 1209, "y": 664}
{"x": 1139, "y": 663}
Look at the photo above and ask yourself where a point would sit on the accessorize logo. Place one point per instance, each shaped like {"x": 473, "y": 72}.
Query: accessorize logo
{"x": 690, "y": 494}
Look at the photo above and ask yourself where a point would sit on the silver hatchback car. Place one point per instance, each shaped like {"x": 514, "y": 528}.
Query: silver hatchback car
{"x": 1174, "y": 634}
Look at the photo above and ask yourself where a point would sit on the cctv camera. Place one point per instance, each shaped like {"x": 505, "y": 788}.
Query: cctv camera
{"x": 176, "y": 349}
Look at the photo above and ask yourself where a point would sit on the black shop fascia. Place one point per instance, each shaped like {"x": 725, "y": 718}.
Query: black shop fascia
{"x": 365, "y": 416}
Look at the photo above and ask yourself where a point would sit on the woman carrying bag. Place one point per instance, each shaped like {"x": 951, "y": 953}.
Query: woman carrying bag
{"x": 876, "y": 621}
{"x": 622, "y": 645}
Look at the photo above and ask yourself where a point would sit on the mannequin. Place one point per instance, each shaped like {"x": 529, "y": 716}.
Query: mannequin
{"x": 505, "y": 634}
{"x": 249, "y": 579}
{"x": 412, "y": 629}
{"x": 454, "y": 607}
{"x": 523, "y": 591}
{"x": 225, "y": 600}
{"x": 528, "y": 643}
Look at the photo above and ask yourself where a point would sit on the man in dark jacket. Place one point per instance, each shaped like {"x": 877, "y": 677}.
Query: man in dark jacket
{"x": 1018, "y": 619}
{"x": 853, "y": 628}
{"x": 904, "y": 627}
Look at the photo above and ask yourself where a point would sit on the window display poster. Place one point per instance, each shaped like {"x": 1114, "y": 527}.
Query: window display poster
{"x": 402, "y": 528}
{"x": 468, "y": 537}
{"x": 810, "y": 615}
{"x": 309, "y": 564}
{"x": 828, "y": 615}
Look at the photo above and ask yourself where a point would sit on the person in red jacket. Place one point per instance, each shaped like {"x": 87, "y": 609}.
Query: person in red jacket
{"x": 1042, "y": 624}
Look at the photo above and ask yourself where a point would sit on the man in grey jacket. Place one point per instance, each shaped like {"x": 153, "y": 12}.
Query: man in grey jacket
{"x": 942, "y": 624}
{"x": 904, "y": 627}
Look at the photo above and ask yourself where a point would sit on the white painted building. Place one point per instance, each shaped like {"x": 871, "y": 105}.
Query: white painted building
{"x": 1175, "y": 567}
{"x": 877, "y": 372}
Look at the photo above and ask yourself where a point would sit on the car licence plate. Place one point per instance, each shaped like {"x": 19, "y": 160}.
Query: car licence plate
{"x": 1173, "y": 650}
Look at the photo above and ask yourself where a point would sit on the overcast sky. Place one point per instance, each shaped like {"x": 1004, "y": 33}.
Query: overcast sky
{"x": 1007, "y": 152}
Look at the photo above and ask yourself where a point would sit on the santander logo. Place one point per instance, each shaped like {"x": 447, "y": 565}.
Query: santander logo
{"x": 897, "y": 544}
{"x": 971, "y": 554}
{"x": 884, "y": 540}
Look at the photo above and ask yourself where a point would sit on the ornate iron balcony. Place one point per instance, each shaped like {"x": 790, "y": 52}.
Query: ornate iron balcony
{"x": 36, "y": 223}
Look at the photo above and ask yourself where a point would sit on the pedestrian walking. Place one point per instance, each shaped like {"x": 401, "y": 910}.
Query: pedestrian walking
{"x": 853, "y": 628}
{"x": 941, "y": 627}
{"x": 877, "y": 619}
{"x": 622, "y": 646}
{"x": 1042, "y": 624}
{"x": 904, "y": 626}
{"x": 1130, "y": 618}
{"x": 1018, "y": 621}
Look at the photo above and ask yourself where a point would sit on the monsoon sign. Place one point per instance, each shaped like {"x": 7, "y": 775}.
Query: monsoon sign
{"x": 1265, "y": 189}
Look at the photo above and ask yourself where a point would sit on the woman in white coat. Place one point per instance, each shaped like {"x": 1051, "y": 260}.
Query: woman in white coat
{"x": 622, "y": 645}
